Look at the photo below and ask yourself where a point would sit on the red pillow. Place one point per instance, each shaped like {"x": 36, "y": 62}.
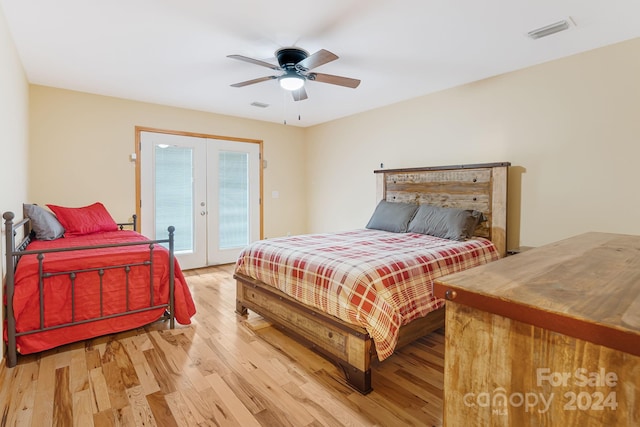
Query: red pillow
{"x": 85, "y": 220}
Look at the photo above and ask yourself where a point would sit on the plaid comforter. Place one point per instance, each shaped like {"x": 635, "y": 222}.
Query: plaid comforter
{"x": 375, "y": 279}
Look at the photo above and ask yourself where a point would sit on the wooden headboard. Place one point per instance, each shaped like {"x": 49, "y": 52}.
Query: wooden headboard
{"x": 482, "y": 187}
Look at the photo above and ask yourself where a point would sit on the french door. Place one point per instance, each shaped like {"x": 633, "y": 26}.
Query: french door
{"x": 207, "y": 188}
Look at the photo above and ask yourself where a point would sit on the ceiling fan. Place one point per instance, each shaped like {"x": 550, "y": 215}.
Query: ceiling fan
{"x": 297, "y": 64}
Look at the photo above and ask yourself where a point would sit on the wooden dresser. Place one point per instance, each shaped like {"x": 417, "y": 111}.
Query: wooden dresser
{"x": 548, "y": 337}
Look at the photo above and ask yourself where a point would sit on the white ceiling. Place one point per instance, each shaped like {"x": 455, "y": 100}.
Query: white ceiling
{"x": 174, "y": 52}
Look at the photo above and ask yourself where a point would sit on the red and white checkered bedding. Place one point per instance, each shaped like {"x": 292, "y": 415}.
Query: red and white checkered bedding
{"x": 376, "y": 279}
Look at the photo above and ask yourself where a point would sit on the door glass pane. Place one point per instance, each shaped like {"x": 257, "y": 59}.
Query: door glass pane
{"x": 233, "y": 175}
{"x": 174, "y": 194}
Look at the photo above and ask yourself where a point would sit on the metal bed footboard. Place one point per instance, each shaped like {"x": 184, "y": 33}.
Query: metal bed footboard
{"x": 15, "y": 252}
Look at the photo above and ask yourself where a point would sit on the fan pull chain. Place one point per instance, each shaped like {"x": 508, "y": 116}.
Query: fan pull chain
{"x": 284, "y": 107}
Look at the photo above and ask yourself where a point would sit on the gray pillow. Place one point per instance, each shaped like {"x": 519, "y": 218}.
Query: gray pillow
{"x": 448, "y": 223}
{"x": 43, "y": 222}
{"x": 394, "y": 217}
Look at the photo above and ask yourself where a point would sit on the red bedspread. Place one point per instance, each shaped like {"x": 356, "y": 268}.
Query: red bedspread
{"x": 375, "y": 279}
{"x": 57, "y": 290}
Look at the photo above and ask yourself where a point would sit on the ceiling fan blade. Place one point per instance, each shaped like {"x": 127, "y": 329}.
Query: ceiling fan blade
{"x": 334, "y": 80}
{"x": 299, "y": 94}
{"x": 319, "y": 58}
{"x": 254, "y": 61}
{"x": 250, "y": 82}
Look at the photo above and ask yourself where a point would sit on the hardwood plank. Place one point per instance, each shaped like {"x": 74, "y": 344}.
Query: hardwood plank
{"x": 161, "y": 410}
{"x": 320, "y": 415}
{"x": 160, "y": 371}
{"x": 382, "y": 415}
{"x": 104, "y": 419}
{"x": 142, "y": 412}
{"x": 62, "y": 403}
{"x": 142, "y": 369}
{"x": 203, "y": 357}
{"x": 280, "y": 399}
{"x": 78, "y": 372}
{"x": 92, "y": 358}
{"x": 295, "y": 352}
{"x": 208, "y": 405}
{"x": 100, "y": 392}
{"x": 179, "y": 409}
{"x": 146, "y": 377}
{"x": 239, "y": 411}
{"x": 171, "y": 356}
{"x": 124, "y": 417}
{"x": 246, "y": 392}
{"x": 115, "y": 352}
{"x": 273, "y": 397}
{"x": 24, "y": 414}
{"x": 18, "y": 396}
{"x": 338, "y": 408}
{"x": 82, "y": 409}
{"x": 45, "y": 390}
{"x": 115, "y": 385}
{"x": 404, "y": 402}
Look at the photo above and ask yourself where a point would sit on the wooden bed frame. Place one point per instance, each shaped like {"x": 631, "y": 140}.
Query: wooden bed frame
{"x": 480, "y": 186}
{"x": 14, "y": 250}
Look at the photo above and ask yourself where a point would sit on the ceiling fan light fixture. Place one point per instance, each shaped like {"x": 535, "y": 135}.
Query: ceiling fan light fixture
{"x": 291, "y": 81}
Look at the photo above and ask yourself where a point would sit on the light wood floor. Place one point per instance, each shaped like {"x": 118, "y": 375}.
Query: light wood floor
{"x": 223, "y": 370}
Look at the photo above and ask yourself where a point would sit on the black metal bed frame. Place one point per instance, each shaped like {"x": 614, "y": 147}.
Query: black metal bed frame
{"x": 14, "y": 252}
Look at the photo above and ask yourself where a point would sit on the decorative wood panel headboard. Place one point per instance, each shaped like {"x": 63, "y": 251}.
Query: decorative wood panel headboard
{"x": 482, "y": 187}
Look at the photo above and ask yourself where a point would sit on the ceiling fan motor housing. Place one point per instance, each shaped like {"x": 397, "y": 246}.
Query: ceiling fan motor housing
{"x": 288, "y": 57}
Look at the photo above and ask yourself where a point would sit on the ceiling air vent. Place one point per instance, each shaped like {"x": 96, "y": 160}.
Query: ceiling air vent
{"x": 549, "y": 29}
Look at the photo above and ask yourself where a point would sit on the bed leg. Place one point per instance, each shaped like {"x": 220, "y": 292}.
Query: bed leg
{"x": 12, "y": 357}
{"x": 359, "y": 380}
{"x": 241, "y": 309}
{"x": 10, "y": 245}
{"x": 12, "y": 352}
{"x": 172, "y": 279}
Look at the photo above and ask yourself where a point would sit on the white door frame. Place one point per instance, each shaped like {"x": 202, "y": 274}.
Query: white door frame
{"x": 138, "y": 158}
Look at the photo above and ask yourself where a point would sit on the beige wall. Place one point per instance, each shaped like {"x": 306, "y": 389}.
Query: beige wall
{"x": 80, "y": 146}
{"x": 14, "y": 120}
{"x": 570, "y": 128}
